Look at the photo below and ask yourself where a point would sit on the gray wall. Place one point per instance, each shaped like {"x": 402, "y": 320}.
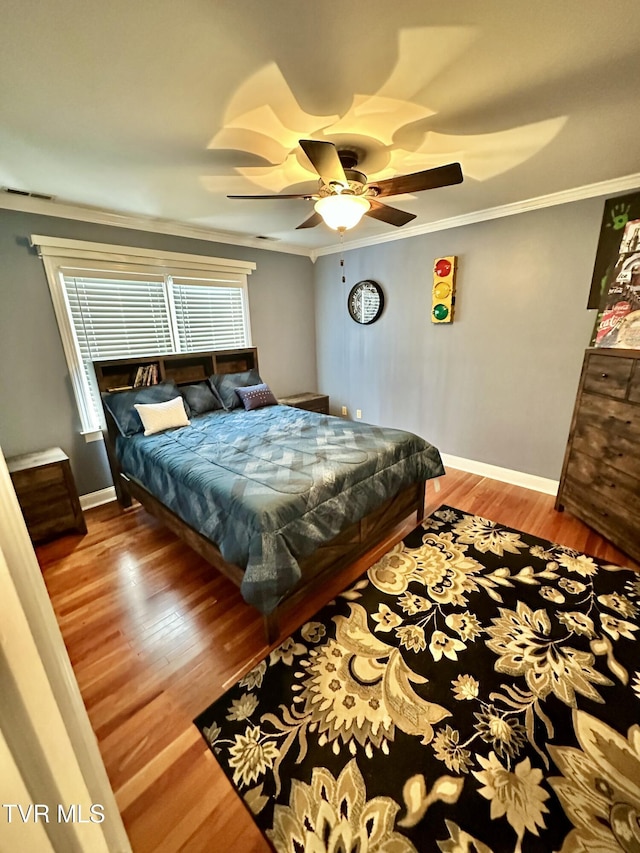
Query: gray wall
{"x": 37, "y": 406}
{"x": 496, "y": 386}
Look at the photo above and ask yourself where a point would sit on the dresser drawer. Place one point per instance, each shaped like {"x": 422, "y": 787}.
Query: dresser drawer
{"x": 34, "y": 480}
{"x": 53, "y": 498}
{"x": 321, "y": 406}
{"x": 611, "y": 484}
{"x": 610, "y": 415}
{"x": 597, "y": 512}
{"x": 619, "y": 451}
{"x": 608, "y": 375}
{"x": 43, "y": 527}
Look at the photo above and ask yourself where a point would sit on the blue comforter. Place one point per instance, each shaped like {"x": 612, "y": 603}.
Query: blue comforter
{"x": 271, "y": 485}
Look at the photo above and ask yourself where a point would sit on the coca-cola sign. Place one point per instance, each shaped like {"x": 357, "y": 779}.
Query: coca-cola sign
{"x": 612, "y": 320}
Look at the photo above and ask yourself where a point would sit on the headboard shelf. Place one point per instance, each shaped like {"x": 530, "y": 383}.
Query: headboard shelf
{"x": 185, "y": 370}
{"x": 236, "y": 360}
{"x": 119, "y": 374}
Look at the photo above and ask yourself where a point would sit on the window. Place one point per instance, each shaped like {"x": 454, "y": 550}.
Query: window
{"x": 113, "y": 302}
{"x": 208, "y": 317}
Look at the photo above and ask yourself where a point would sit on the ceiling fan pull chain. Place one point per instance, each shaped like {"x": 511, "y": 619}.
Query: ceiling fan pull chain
{"x": 342, "y": 255}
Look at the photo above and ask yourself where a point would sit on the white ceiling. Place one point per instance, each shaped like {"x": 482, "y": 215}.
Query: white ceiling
{"x": 160, "y": 108}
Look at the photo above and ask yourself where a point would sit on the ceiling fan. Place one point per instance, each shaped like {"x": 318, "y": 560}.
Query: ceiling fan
{"x": 344, "y": 195}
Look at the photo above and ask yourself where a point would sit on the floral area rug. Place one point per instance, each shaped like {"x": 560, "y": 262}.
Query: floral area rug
{"x": 477, "y": 691}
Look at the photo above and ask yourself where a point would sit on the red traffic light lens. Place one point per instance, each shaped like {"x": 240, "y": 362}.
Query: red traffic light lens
{"x": 442, "y": 268}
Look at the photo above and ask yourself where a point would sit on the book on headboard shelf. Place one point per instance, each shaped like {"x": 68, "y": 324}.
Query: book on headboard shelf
{"x": 146, "y": 374}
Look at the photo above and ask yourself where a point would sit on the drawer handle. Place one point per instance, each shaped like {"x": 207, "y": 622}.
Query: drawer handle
{"x": 604, "y": 375}
{"x": 604, "y": 514}
{"x": 612, "y": 485}
{"x": 620, "y": 454}
{"x": 627, "y": 422}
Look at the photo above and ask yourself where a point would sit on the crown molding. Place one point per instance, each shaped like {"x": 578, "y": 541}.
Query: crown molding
{"x": 616, "y": 185}
{"x": 29, "y": 204}
{"x": 44, "y": 207}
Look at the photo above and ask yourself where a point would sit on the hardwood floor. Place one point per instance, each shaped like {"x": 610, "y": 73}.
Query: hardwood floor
{"x": 155, "y": 635}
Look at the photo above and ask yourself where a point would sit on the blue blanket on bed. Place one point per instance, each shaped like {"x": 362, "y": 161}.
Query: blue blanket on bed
{"x": 271, "y": 485}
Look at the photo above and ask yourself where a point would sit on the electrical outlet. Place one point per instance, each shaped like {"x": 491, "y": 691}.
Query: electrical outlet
{"x": 358, "y": 413}
{"x": 344, "y": 410}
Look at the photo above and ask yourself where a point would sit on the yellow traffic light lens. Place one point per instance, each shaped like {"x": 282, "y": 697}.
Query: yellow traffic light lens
{"x": 441, "y": 290}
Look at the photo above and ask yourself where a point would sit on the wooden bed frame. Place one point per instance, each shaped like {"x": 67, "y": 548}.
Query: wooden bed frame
{"x": 187, "y": 368}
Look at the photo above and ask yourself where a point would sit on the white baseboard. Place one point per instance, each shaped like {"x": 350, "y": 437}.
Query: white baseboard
{"x": 504, "y": 475}
{"x": 93, "y": 499}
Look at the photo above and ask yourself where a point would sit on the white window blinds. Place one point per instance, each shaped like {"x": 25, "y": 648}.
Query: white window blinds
{"x": 208, "y": 317}
{"x": 115, "y": 318}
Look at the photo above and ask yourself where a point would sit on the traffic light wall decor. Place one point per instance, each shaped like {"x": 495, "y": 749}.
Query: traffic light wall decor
{"x": 444, "y": 289}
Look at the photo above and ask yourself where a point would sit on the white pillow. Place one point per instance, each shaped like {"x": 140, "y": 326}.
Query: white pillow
{"x": 157, "y": 417}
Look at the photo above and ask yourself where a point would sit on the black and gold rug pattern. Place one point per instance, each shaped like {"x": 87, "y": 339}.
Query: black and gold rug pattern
{"x": 478, "y": 691}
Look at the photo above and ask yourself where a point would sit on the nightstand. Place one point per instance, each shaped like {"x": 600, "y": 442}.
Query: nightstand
{"x": 310, "y": 402}
{"x": 47, "y": 493}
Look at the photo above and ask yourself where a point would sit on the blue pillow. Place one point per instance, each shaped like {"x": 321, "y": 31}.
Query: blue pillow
{"x": 201, "y": 398}
{"x": 225, "y": 385}
{"x": 121, "y": 404}
{"x": 256, "y": 396}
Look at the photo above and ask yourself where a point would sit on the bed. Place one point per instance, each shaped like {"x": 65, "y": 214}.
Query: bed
{"x": 272, "y": 496}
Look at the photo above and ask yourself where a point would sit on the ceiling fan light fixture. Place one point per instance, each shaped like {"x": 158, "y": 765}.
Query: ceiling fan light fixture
{"x": 343, "y": 211}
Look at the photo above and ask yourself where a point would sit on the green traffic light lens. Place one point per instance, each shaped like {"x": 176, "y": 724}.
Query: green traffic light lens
{"x": 440, "y": 311}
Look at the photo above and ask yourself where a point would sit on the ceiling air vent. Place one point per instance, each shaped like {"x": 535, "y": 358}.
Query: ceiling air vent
{"x": 14, "y": 191}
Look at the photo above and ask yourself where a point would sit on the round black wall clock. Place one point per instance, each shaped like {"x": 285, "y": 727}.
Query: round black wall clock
{"x": 365, "y": 302}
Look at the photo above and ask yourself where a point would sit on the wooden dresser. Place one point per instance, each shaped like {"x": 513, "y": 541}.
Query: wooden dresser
{"x": 309, "y": 401}
{"x": 600, "y": 481}
{"x": 47, "y": 493}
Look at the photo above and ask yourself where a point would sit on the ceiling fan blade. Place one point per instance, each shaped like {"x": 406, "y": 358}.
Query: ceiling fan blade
{"x": 294, "y": 195}
{"x": 430, "y": 179}
{"x": 324, "y": 159}
{"x": 390, "y": 215}
{"x": 311, "y": 222}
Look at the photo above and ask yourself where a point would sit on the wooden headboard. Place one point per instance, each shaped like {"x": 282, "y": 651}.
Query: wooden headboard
{"x": 124, "y": 374}
{"x": 119, "y": 374}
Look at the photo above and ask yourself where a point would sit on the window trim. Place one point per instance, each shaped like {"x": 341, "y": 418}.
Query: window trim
{"x": 59, "y": 253}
